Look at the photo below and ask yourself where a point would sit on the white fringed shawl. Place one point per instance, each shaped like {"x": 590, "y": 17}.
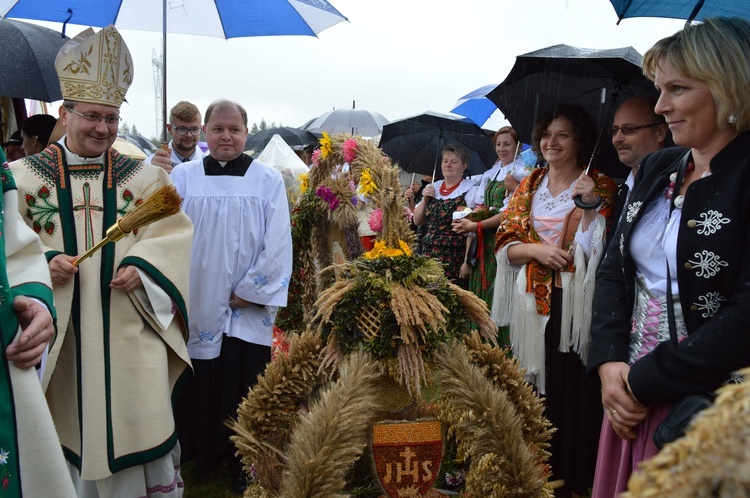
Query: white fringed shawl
{"x": 511, "y": 305}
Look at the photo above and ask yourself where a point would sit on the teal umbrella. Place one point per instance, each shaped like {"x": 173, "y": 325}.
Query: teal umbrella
{"x": 690, "y": 10}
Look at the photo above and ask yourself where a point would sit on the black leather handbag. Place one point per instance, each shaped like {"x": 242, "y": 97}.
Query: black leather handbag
{"x": 682, "y": 412}
{"x": 471, "y": 256}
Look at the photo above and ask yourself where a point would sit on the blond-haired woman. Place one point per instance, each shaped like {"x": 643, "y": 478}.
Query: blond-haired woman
{"x": 685, "y": 232}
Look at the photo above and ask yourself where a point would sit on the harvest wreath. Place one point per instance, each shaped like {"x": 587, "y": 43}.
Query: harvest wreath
{"x": 386, "y": 340}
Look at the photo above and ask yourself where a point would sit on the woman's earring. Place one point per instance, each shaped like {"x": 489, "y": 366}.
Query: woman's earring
{"x": 732, "y": 119}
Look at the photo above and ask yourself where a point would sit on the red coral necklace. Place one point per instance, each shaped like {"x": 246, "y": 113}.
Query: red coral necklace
{"x": 446, "y": 191}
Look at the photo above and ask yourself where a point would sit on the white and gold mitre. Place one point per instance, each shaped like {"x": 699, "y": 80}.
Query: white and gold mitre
{"x": 95, "y": 67}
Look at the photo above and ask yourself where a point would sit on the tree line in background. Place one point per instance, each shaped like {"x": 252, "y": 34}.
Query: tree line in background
{"x": 126, "y": 129}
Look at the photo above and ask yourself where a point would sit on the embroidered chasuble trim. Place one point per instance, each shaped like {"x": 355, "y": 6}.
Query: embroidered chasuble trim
{"x": 6, "y": 176}
{"x": 8, "y": 435}
{"x": 108, "y": 268}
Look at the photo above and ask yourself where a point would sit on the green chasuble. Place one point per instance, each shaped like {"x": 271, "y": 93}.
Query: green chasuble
{"x": 115, "y": 370}
{"x": 31, "y": 461}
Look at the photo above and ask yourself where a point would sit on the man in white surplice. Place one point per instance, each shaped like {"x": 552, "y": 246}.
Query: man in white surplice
{"x": 240, "y": 271}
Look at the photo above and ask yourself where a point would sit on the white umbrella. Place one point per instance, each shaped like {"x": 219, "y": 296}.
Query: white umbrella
{"x": 354, "y": 121}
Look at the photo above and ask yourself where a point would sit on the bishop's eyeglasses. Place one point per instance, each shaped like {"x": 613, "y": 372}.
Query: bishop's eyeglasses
{"x": 112, "y": 119}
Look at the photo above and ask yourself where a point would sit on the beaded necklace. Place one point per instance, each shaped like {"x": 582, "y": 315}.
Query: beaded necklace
{"x": 680, "y": 199}
{"x": 446, "y": 191}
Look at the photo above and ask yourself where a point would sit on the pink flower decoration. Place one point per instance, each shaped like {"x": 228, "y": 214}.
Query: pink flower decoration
{"x": 409, "y": 215}
{"x": 376, "y": 220}
{"x": 349, "y": 149}
{"x": 316, "y": 157}
{"x": 327, "y": 195}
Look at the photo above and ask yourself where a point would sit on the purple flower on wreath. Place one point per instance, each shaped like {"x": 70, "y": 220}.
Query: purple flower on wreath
{"x": 327, "y": 195}
{"x": 349, "y": 149}
{"x": 454, "y": 478}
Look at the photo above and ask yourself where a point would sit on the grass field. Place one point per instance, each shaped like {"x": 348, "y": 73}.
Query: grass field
{"x": 217, "y": 484}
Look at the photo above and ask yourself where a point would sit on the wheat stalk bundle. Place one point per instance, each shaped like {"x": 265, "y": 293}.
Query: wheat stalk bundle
{"x": 164, "y": 202}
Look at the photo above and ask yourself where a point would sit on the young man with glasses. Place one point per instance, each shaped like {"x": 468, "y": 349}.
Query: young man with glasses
{"x": 120, "y": 350}
{"x": 185, "y": 128}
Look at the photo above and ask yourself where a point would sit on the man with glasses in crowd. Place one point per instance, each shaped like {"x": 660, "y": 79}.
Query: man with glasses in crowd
{"x": 636, "y": 132}
{"x": 120, "y": 350}
{"x": 185, "y": 128}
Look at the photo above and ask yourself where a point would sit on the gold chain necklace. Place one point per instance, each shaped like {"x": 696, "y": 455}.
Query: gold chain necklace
{"x": 564, "y": 186}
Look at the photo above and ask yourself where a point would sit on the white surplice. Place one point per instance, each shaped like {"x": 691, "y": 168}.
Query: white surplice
{"x": 242, "y": 244}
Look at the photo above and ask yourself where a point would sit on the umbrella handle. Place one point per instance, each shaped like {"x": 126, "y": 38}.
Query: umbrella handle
{"x": 578, "y": 201}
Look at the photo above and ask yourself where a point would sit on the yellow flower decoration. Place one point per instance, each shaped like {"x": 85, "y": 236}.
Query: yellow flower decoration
{"x": 326, "y": 147}
{"x": 367, "y": 185}
{"x": 404, "y": 247}
{"x": 380, "y": 250}
{"x": 303, "y": 180}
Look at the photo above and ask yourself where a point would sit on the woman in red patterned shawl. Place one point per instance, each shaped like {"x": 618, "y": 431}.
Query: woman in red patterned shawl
{"x": 547, "y": 251}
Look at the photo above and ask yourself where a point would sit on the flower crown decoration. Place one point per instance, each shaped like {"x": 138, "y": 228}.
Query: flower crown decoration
{"x": 388, "y": 301}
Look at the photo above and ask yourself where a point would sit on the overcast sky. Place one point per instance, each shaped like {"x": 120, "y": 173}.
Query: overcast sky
{"x": 395, "y": 57}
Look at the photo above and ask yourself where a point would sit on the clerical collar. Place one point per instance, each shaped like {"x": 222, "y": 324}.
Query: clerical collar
{"x": 73, "y": 158}
{"x": 236, "y": 167}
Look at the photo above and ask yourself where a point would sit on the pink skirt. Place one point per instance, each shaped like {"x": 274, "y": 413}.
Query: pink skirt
{"x": 617, "y": 458}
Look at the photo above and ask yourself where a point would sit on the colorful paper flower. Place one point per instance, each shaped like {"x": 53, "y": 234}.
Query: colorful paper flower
{"x": 327, "y": 195}
{"x": 326, "y": 147}
{"x": 409, "y": 215}
{"x": 303, "y": 180}
{"x": 315, "y": 157}
{"x": 380, "y": 250}
{"x": 454, "y": 478}
{"x": 367, "y": 185}
{"x": 404, "y": 247}
{"x": 349, "y": 150}
{"x": 375, "y": 220}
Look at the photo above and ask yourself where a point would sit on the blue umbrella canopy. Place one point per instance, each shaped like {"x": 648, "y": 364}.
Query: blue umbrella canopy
{"x": 475, "y": 105}
{"x": 682, "y": 9}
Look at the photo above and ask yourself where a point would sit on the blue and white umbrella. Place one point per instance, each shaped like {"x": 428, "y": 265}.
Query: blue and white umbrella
{"x": 475, "y": 105}
{"x": 217, "y": 18}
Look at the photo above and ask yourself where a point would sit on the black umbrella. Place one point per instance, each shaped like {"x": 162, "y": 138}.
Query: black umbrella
{"x": 597, "y": 80}
{"x": 415, "y": 143}
{"x": 294, "y": 137}
{"x": 27, "y": 66}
